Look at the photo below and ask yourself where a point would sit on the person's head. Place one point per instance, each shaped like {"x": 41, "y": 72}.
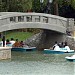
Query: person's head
{"x": 62, "y": 43}
{"x": 65, "y": 43}
{"x": 12, "y": 39}
{"x": 55, "y": 42}
{"x": 17, "y": 40}
{"x": 7, "y": 40}
{"x": 21, "y": 41}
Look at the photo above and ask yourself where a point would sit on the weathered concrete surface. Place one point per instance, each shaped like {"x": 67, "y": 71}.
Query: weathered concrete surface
{"x": 71, "y": 42}
{"x": 5, "y": 53}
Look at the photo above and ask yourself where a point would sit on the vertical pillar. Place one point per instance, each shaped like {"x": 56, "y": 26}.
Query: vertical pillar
{"x": 33, "y": 18}
{"x": 25, "y": 19}
{"x": 41, "y": 19}
{"x": 3, "y": 41}
{"x": 17, "y": 19}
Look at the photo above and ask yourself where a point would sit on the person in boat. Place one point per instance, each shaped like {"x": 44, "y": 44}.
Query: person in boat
{"x": 55, "y": 45}
{"x": 57, "y": 48}
{"x": 62, "y": 45}
{"x": 67, "y": 47}
{"x": 16, "y": 44}
{"x": 12, "y": 41}
{"x": 8, "y": 42}
{"x": 21, "y": 44}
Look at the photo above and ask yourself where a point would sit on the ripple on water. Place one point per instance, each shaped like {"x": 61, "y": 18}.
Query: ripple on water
{"x": 37, "y": 63}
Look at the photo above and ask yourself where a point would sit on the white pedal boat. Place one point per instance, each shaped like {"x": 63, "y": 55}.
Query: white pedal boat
{"x": 71, "y": 58}
{"x": 62, "y": 50}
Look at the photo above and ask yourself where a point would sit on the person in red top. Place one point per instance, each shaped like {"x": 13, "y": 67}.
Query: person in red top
{"x": 7, "y": 42}
{"x": 21, "y": 44}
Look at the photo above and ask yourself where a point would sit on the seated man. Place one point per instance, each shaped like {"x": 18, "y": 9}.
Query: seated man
{"x": 16, "y": 44}
{"x": 67, "y": 47}
{"x": 57, "y": 48}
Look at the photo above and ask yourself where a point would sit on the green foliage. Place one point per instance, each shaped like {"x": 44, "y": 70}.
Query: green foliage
{"x": 18, "y": 35}
{"x": 15, "y": 5}
{"x": 34, "y": 5}
{"x": 73, "y": 4}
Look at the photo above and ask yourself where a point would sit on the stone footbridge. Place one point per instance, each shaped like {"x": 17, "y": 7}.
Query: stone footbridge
{"x": 54, "y": 27}
{"x": 16, "y": 20}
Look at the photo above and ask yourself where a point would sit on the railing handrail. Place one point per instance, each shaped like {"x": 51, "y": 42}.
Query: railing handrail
{"x": 11, "y": 14}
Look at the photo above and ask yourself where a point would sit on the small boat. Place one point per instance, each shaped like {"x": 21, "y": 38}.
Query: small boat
{"x": 48, "y": 51}
{"x": 70, "y": 58}
{"x": 62, "y": 50}
{"x": 23, "y": 49}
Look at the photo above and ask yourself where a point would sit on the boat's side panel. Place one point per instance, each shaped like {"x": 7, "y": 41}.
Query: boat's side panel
{"x": 52, "y": 52}
{"x": 59, "y": 51}
{"x": 18, "y": 49}
{"x": 70, "y": 58}
{"x": 23, "y": 49}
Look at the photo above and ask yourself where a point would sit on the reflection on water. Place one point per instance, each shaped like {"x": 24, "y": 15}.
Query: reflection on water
{"x": 37, "y": 63}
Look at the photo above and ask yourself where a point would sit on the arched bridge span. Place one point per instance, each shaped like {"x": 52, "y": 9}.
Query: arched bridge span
{"x": 17, "y": 20}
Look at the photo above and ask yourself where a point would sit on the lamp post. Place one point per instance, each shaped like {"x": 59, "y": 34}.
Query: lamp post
{"x": 41, "y": 5}
{"x": 48, "y": 6}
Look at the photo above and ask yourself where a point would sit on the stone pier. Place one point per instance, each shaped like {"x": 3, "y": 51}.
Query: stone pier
{"x": 5, "y": 53}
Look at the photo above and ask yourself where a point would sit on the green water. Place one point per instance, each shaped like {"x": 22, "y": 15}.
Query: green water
{"x": 37, "y": 63}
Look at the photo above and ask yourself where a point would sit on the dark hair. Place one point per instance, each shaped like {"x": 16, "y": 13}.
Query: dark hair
{"x": 65, "y": 43}
{"x": 55, "y": 41}
{"x": 16, "y": 39}
{"x": 7, "y": 40}
{"x": 12, "y": 39}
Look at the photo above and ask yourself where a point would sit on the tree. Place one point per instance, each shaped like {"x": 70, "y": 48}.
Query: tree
{"x": 66, "y": 8}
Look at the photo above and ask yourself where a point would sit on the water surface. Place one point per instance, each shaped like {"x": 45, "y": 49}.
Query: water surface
{"x": 37, "y": 63}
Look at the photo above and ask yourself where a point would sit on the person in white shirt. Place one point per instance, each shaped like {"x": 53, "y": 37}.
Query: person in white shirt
{"x": 12, "y": 41}
{"x": 55, "y": 45}
{"x": 67, "y": 47}
{"x": 57, "y": 48}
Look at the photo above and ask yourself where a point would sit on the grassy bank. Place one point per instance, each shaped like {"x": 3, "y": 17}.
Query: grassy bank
{"x": 18, "y": 35}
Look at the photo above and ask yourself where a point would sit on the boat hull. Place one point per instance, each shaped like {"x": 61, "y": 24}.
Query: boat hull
{"x": 70, "y": 58}
{"x": 48, "y": 51}
{"x": 52, "y": 52}
{"x": 24, "y": 49}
